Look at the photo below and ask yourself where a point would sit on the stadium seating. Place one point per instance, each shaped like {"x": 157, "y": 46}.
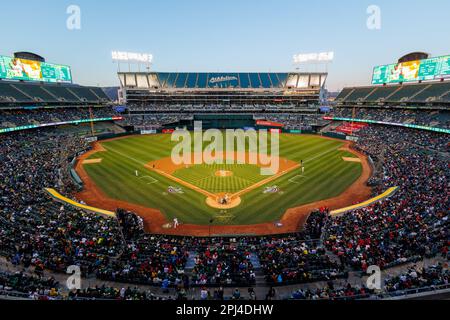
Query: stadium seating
{"x": 431, "y": 118}
{"x": 381, "y": 94}
{"x": 24, "y": 117}
{"x": 327, "y": 249}
{"x": 36, "y": 92}
{"x": 85, "y": 94}
{"x": 413, "y": 94}
{"x": 12, "y": 93}
{"x": 120, "y": 251}
{"x": 219, "y": 80}
{"x": 100, "y": 94}
{"x": 62, "y": 94}
{"x": 9, "y": 94}
{"x": 359, "y": 94}
{"x": 432, "y": 92}
{"x": 406, "y": 93}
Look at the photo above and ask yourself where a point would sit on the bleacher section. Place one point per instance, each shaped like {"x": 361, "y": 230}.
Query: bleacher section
{"x": 412, "y": 116}
{"x": 381, "y": 94}
{"x": 406, "y": 92}
{"x": 62, "y": 93}
{"x": 359, "y": 94}
{"x": 85, "y": 94}
{"x": 37, "y": 93}
{"x": 432, "y": 92}
{"x": 15, "y": 93}
{"x": 351, "y": 128}
{"x": 435, "y": 94}
{"x": 9, "y": 94}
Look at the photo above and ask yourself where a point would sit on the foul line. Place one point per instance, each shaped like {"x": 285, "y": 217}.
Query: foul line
{"x": 56, "y": 195}
{"x": 367, "y": 203}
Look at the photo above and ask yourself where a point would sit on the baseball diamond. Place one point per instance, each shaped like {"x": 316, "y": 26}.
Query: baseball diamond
{"x": 231, "y": 152}
{"x": 328, "y": 176}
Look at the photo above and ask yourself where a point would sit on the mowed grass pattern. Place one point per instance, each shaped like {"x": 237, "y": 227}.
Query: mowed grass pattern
{"x": 326, "y": 175}
{"x": 204, "y": 176}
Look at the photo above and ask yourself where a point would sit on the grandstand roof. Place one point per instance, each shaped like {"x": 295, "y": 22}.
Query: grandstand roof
{"x": 217, "y": 80}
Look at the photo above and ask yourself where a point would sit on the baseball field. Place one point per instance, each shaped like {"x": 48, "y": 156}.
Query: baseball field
{"x": 138, "y": 170}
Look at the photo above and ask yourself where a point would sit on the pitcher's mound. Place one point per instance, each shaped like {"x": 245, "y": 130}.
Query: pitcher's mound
{"x": 224, "y": 173}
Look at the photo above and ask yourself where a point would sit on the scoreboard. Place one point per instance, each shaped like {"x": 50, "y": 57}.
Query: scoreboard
{"x": 28, "y": 70}
{"x": 419, "y": 70}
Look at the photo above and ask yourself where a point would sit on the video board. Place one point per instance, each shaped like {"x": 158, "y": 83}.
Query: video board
{"x": 28, "y": 70}
{"x": 418, "y": 70}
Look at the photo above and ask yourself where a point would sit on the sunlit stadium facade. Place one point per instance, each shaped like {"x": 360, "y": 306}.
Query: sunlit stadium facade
{"x": 156, "y": 88}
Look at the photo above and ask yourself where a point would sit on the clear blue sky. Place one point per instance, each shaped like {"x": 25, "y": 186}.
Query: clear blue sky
{"x": 231, "y": 35}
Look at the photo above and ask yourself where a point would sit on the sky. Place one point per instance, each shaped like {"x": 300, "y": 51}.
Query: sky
{"x": 225, "y": 36}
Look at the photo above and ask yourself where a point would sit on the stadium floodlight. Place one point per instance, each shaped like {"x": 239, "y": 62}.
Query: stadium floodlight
{"x": 131, "y": 57}
{"x": 314, "y": 57}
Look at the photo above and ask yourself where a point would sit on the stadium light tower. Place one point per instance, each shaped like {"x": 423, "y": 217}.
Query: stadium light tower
{"x": 315, "y": 59}
{"x": 145, "y": 59}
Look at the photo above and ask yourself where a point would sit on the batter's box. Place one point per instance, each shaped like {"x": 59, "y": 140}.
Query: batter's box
{"x": 150, "y": 180}
{"x": 297, "y": 179}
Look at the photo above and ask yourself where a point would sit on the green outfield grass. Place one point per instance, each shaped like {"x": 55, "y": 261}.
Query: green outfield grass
{"x": 326, "y": 176}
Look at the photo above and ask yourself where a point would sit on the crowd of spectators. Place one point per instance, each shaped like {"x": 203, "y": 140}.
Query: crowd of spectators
{"x": 36, "y": 231}
{"x": 111, "y": 293}
{"x": 413, "y": 222}
{"x": 296, "y": 262}
{"x": 440, "y": 119}
{"x": 416, "y": 278}
{"x": 223, "y": 264}
{"x": 31, "y": 286}
{"x": 152, "y": 260}
{"x": 329, "y": 292}
{"x": 24, "y": 117}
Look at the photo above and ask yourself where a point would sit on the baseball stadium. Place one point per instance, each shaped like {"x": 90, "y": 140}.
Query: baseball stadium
{"x": 226, "y": 185}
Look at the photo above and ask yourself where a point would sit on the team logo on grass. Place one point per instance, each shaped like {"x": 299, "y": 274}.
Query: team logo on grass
{"x": 234, "y": 152}
{"x": 225, "y": 217}
{"x": 173, "y": 190}
{"x": 273, "y": 189}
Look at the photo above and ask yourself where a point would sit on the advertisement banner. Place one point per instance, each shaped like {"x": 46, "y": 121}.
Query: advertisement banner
{"x": 413, "y": 126}
{"x": 143, "y": 132}
{"x": 269, "y": 124}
